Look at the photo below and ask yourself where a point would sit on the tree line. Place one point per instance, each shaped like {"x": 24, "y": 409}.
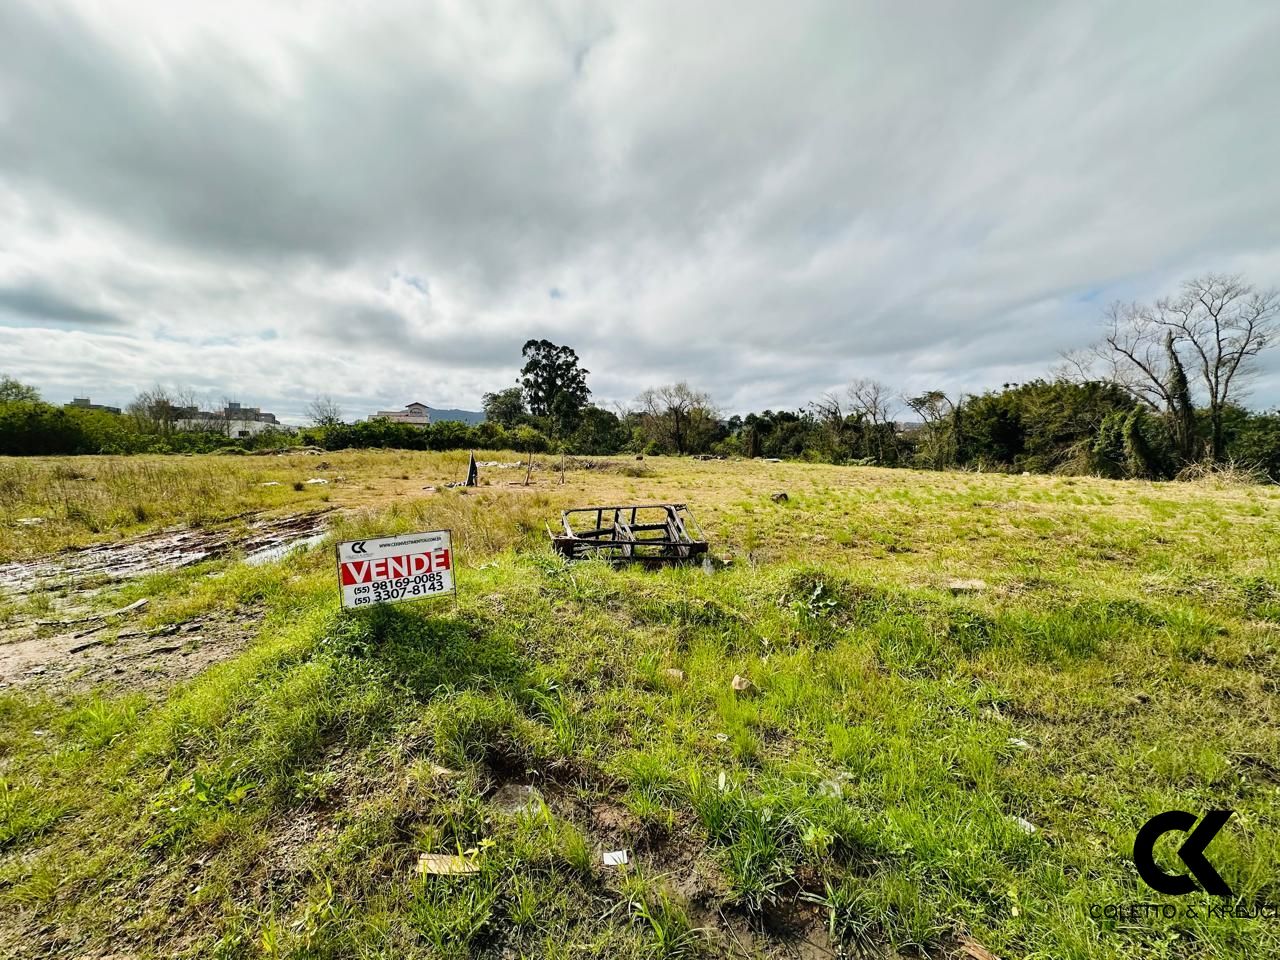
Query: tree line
{"x": 153, "y": 424}
{"x": 1160, "y": 392}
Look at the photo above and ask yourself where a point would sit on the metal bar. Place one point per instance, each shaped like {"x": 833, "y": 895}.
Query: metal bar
{"x": 626, "y": 506}
{"x": 666, "y": 538}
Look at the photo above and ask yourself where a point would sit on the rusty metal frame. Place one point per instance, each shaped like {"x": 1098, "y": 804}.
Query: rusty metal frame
{"x": 650, "y": 533}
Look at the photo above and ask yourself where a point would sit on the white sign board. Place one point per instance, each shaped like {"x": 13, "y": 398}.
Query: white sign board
{"x": 412, "y": 566}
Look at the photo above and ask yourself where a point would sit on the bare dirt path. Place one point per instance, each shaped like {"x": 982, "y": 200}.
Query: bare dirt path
{"x": 68, "y": 646}
{"x": 102, "y": 564}
{"x": 139, "y": 659}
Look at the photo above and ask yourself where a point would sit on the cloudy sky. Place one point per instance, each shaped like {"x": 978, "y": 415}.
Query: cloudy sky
{"x": 383, "y": 201}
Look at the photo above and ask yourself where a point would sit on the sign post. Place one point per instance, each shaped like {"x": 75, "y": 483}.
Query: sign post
{"x": 412, "y": 566}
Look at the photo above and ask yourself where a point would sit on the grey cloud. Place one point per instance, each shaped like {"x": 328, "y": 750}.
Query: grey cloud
{"x": 36, "y": 303}
{"x": 384, "y": 150}
{"x": 373, "y": 330}
{"x": 763, "y": 200}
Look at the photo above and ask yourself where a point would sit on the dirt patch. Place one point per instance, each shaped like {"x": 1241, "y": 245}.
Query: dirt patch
{"x": 137, "y": 659}
{"x": 290, "y": 858}
{"x": 789, "y": 930}
{"x": 59, "y": 642}
{"x": 86, "y": 570}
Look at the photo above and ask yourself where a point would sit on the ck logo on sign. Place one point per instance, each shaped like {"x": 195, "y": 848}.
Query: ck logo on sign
{"x": 1190, "y": 853}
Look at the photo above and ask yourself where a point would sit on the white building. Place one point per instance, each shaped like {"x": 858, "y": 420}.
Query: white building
{"x": 242, "y": 429}
{"x": 232, "y": 421}
{"x": 414, "y": 413}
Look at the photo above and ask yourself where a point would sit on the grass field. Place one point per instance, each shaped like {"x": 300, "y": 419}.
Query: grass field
{"x": 874, "y": 792}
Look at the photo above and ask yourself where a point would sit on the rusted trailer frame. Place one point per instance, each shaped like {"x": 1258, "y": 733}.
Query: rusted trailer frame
{"x": 649, "y": 533}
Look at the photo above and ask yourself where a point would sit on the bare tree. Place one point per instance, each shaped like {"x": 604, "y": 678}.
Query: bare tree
{"x": 678, "y": 415}
{"x": 1133, "y": 354}
{"x": 1078, "y": 366}
{"x": 829, "y": 412}
{"x": 160, "y": 409}
{"x": 1225, "y": 323}
{"x": 323, "y": 411}
{"x": 219, "y": 419}
{"x": 828, "y": 408}
{"x": 1215, "y": 328}
{"x": 874, "y": 403}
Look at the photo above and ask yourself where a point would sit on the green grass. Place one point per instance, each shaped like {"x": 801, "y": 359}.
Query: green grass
{"x": 1122, "y": 660}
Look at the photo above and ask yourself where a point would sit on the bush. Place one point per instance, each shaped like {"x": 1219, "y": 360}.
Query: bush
{"x": 1255, "y": 440}
{"x": 444, "y": 435}
{"x": 35, "y": 428}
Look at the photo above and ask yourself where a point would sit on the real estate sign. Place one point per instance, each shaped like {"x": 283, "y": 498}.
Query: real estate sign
{"x": 412, "y": 566}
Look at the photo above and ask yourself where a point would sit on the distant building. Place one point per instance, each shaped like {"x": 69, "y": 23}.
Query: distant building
{"x": 233, "y": 420}
{"x": 82, "y": 403}
{"x": 414, "y": 413}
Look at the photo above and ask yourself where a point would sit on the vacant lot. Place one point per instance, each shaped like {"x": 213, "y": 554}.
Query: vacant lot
{"x": 967, "y": 694}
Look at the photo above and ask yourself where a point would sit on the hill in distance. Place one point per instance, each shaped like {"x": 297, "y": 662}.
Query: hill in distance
{"x": 466, "y": 416}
